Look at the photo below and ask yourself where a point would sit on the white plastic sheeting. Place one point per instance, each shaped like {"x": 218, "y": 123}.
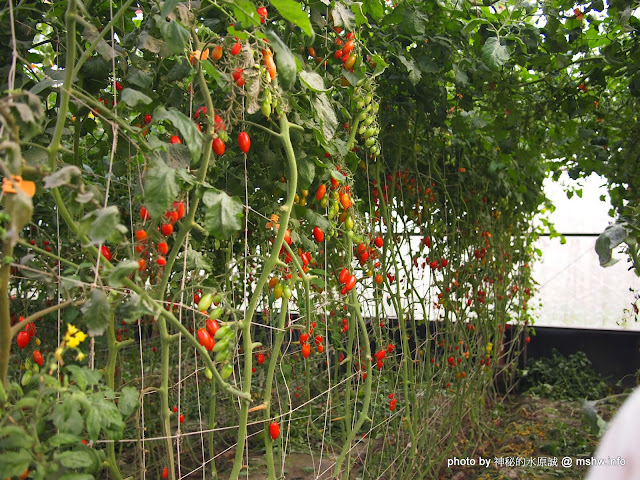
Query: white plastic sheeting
{"x": 574, "y": 291}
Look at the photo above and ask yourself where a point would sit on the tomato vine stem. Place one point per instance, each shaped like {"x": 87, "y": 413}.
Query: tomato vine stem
{"x": 269, "y": 265}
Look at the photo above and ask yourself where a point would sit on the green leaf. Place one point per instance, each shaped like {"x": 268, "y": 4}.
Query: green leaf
{"x": 361, "y": 19}
{"x": 66, "y": 417}
{"x": 612, "y": 236}
{"x": 294, "y": 12}
{"x": 494, "y": 54}
{"x": 245, "y": 13}
{"x": 132, "y": 97}
{"x": 61, "y": 177}
{"x": 61, "y": 439}
{"x": 375, "y": 8}
{"x": 168, "y": 6}
{"x": 121, "y": 271}
{"x": 12, "y": 437}
{"x": 176, "y": 36}
{"x": 96, "y": 310}
{"x": 132, "y": 310}
{"x": 414, "y": 72}
{"x": 473, "y": 24}
{"x": 76, "y": 476}
{"x": 597, "y": 424}
{"x": 74, "y": 459}
{"x": 78, "y": 376}
{"x": 306, "y": 171}
{"x": 196, "y": 261}
{"x": 224, "y": 214}
{"x": 13, "y": 464}
{"x": 111, "y": 418}
{"x": 342, "y": 17}
{"x": 102, "y": 225}
{"x": 313, "y": 81}
{"x": 316, "y": 220}
{"x": 160, "y": 188}
{"x": 180, "y": 71}
{"x": 326, "y": 115}
{"x": 192, "y": 136}
{"x": 381, "y": 65}
{"x": 285, "y": 62}
{"x": 93, "y": 423}
{"x": 128, "y": 401}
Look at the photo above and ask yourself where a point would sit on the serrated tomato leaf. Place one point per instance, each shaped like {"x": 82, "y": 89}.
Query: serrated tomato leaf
{"x": 160, "y": 188}
{"x": 224, "y": 214}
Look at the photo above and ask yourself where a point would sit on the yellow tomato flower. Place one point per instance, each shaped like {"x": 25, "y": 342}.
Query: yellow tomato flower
{"x": 489, "y": 347}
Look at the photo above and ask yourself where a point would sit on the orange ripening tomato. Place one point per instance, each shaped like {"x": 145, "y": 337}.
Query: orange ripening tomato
{"x": 267, "y": 60}
{"x": 216, "y": 54}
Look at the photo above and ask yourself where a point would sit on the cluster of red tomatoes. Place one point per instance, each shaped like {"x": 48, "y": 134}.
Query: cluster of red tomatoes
{"x": 166, "y": 228}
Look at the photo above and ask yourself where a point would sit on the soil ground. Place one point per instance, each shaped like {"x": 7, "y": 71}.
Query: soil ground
{"x": 522, "y": 428}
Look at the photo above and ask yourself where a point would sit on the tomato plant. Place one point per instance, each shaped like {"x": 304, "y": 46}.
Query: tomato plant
{"x": 413, "y": 127}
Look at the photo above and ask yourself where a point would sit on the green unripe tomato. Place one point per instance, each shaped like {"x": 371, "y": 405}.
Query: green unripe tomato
{"x": 226, "y": 371}
{"x": 287, "y": 292}
{"x": 222, "y": 332}
{"x": 205, "y": 302}
{"x": 222, "y": 356}
{"x": 221, "y": 345}
{"x": 348, "y": 223}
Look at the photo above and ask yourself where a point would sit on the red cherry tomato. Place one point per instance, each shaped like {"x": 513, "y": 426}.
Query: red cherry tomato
{"x": 318, "y": 234}
{"x": 163, "y": 248}
{"x": 175, "y": 139}
{"x": 218, "y": 146}
{"x": 262, "y": 11}
{"x": 167, "y": 229}
{"x": 205, "y": 339}
{"x": 218, "y": 124}
{"x": 344, "y": 276}
{"x": 144, "y": 214}
{"x": 274, "y": 430}
{"x": 37, "y": 357}
{"x": 235, "y": 50}
{"x": 348, "y": 47}
{"x": 306, "y": 350}
{"x": 322, "y": 189}
{"x": 106, "y": 253}
{"x": 22, "y": 339}
{"x": 244, "y": 141}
